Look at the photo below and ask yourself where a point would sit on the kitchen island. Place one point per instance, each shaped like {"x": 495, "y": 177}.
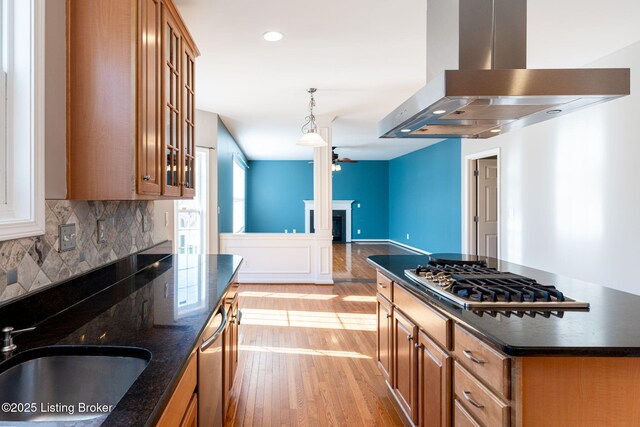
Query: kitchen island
{"x": 446, "y": 364}
{"x": 158, "y": 302}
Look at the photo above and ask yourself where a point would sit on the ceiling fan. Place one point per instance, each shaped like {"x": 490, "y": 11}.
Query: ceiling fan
{"x": 335, "y": 158}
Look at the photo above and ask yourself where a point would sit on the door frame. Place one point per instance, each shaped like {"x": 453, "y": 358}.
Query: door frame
{"x": 469, "y": 201}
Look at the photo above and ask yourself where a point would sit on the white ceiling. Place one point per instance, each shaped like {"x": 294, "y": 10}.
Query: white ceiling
{"x": 364, "y": 56}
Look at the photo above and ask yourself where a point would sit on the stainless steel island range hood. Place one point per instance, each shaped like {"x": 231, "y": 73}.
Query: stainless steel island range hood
{"x": 479, "y": 86}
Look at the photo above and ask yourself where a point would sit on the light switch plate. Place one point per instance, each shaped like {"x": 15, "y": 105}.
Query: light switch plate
{"x": 101, "y": 229}
{"x": 67, "y": 238}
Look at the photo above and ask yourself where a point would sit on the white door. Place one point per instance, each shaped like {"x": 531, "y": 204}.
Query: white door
{"x": 487, "y": 207}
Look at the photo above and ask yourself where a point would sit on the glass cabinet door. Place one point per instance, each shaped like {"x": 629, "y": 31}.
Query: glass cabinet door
{"x": 188, "y": 112}
{"x": 172, "y": 120}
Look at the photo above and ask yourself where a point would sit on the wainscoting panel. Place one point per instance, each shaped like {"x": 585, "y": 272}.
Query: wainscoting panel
{"x": 277, "y": 258}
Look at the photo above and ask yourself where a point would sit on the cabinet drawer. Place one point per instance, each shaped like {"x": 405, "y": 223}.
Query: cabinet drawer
{"x": 385, "y": 286}
{"x": 486, "y": 363}
{"x": 429, "y": 320}
{"x": 478, "y": 400}
{"x": 462, "y": 418}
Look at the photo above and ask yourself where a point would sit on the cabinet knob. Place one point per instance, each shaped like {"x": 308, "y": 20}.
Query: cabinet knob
{"x": 410, "y": 337}
{"x": 416, "y": 345}
{"x": 147, "y": 177}
{"x": 388, "y": 316}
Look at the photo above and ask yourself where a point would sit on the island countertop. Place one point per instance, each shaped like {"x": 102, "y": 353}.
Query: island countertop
{"x": 609, "y": 328}
{"x": 158, "y": 302}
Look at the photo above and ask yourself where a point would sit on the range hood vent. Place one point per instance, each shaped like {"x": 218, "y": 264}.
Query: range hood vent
{"x": 492, "y": 91}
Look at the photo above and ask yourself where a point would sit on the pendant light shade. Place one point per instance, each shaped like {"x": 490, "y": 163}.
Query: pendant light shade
{"x": 311, "y": 139}
{"x": 310, "y": 136}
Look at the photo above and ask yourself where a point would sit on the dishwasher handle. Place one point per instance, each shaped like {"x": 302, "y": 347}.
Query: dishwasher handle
{"x": 221, "y": 328}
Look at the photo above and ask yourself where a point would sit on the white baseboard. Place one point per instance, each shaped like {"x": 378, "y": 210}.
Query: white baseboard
{"x": 275, "y": 279}
{"x": 411, "y": 248}
{"x": 393, "y": 242}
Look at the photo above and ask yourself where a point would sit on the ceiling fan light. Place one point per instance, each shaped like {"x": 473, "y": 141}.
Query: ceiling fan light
{"x": 311, "y": 139}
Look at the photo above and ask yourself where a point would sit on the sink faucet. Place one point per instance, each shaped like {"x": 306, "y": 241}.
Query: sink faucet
{"x": 8, "y": 332}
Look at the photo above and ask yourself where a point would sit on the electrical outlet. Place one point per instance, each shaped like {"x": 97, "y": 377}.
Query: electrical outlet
{"x": 294, "y": 230}
{"x": 358, "y": 231}
{"x": 286, "y": 231}
{"x": 166, "y": 219}
{"x": 407, "y": 236}
{"x": 101, "y": 228}
{"x": 358, "y": 205}
{"x": 67, "y": 237}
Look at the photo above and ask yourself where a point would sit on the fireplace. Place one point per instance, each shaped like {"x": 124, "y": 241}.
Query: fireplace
{"x": 341, "y": 219}
{"x": 338, "y": 228}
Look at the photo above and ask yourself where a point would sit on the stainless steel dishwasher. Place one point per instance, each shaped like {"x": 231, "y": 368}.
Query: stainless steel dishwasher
{"x": 210, "y": 372}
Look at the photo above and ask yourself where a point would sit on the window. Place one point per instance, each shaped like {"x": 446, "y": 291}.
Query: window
{"x": 21, "y": 118}
{"x": 238, "y": 195}
{"x": 192, "y": 224}
{"x": 4, "y": 66}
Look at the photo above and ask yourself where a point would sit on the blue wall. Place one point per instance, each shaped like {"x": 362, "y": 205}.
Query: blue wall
{"x": 227, "y": 147}
{"x": 276, "y": 190}
{"x": 417, "y": 194}
{"x": 366, "y": 182}
{"x": 275, "y": 193}
{"x": 425, "y": 198}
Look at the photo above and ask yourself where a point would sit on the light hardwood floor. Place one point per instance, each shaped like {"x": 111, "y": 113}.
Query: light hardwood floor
{"x": 307, "y": 353}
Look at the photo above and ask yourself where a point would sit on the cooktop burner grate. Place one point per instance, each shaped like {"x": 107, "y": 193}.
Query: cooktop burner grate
{"x": 476, "y": 285}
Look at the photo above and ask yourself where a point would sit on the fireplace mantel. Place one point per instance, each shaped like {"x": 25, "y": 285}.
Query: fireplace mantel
{"x": 336, "y": 205}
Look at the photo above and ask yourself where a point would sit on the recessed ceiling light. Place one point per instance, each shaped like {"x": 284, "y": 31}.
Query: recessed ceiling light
{"x": 272, "y": 36}
{"x": 494, "y": 130}
{"x": 405, "y": 130}
{"x": 439, "y": 112}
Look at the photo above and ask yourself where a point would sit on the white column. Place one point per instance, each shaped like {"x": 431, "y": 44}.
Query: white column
{"x": 322, "y": 209}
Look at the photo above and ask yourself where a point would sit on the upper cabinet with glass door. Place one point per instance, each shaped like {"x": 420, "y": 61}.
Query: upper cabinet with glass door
{"x": 131, "y": 101}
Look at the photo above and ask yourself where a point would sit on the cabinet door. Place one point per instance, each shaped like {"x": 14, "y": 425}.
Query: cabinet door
{"x": 191, "y": 416}
{"x": 404, "y": 363}
{"x": 233, "y": 342}
{"x": 171, "y": 94}
{"x": 188, "y": 123}
{"x": 434, "y": 384}
{"x": 385, "y": 326}
{"x": 149, "y": 146}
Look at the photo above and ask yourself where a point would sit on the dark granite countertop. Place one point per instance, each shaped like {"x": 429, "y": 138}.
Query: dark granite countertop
{"x": 608, "y": 328}
{"x": 158, "y": 302}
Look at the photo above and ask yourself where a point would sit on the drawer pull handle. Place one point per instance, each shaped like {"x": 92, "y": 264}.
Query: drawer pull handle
{"x": 470, "y": 356}
{"x": 388, "y": 316}
{"x": 409, "y": 337}
{"x": 467, "y": 395}
{"x": 382, "y": 286}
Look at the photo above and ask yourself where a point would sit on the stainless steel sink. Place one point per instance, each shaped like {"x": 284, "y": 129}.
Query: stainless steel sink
{"x": 67, "y": 383}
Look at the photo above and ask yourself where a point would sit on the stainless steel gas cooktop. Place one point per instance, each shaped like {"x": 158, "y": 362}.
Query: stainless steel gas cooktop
{"x": 468, "y": 282}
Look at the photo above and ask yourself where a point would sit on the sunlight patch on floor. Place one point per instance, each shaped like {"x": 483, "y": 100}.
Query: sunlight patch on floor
{"x": 286, "y": 295}
{"x": 309, "y": 319}
{"x": 304, "y": 351}
{"x": 359, "y": 298}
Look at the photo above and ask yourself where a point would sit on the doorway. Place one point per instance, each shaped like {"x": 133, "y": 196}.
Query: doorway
{"x": 483, "y": 205}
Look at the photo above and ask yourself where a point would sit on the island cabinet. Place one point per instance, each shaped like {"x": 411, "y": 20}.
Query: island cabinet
{"x": 443, "y": 373}
{"x": 130, "y": 101}
{"x": 182, "y": 409}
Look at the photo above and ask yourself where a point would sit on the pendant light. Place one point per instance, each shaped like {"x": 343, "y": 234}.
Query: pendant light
{"x": 310, "y": 136}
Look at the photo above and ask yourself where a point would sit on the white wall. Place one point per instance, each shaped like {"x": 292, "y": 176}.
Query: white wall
{"x": 570, "y": 186}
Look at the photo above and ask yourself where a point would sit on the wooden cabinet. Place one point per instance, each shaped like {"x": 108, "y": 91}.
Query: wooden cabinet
{"x": 404, "y": 354}
{"x": 130, "y": 101}
{"x": 191, "y": 416}
{"x": 434, "y": 384}
{"x": 384, "y": 286}
{"x": 234, "y": 322}
{"x": 384, "y": 335}
{"x": 183, "y": 405}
